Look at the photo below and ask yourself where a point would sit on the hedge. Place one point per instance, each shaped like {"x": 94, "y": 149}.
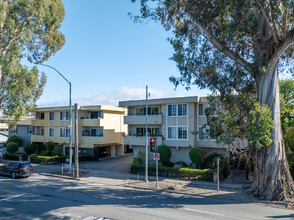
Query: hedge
{"x": 42, "y": 159}
{"x": 184, "y": 173}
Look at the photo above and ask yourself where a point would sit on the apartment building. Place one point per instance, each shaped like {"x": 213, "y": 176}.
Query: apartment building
{"x": 179, "y": 123}
{"x": 98, "y": 126}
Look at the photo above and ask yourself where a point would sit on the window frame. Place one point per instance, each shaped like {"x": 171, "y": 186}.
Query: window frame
{"x": 50, "y": 118}
{"x": 49, "y": 129}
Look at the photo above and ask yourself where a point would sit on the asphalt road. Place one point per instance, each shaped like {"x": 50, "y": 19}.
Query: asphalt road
{"x": 40, "y": 197}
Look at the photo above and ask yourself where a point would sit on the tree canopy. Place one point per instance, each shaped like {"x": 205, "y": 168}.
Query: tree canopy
{"x": 235, "y": 48}
{"x": 29, "y": 29}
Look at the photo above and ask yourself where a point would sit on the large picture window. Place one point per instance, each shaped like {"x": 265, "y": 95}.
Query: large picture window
{"x": 151, "y": 131}
{"x": 177, "y": 133}
{"x": 51, "y": 132}
{"x": 172, "y": 110}
{"x": 177, "y": 110}
{"x": 63, "y": 132}
{"x": 151, "y": 110}
{"x": 63, "y": 116}
{"x": 51, "y": 116}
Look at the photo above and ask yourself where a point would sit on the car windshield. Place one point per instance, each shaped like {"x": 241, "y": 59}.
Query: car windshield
{"x": 24, "y": 165}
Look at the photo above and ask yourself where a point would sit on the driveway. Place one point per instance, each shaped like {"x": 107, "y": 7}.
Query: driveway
{"x": 120, "y": 164}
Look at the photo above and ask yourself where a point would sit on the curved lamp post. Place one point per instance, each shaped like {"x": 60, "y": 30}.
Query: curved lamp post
{"x": 70, "y": 118}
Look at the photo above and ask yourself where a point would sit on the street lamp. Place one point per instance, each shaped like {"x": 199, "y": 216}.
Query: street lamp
{"x": 70, "y": 120}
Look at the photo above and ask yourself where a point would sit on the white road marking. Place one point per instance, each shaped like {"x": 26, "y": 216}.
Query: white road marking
{"x": 11, "y": 197}
{"x": 214, "y": 213}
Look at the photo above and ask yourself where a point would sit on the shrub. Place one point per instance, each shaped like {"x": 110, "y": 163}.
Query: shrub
{"x": 56, "y": 151}
{"x": 165, "y": 154}
{"x": 33, "y": 155}
{"x": 225, "y": 168}
{"x": 49, "y": 146}
{"x": 289, "y": 139}
{"x": 9, "y": 156}
{"x": 184, "y": 164}
{"x": 140, "y": 156}
{"x": 31, "y": 148}
{"x": 196, "y": 156}
{"x": 14, "y": 139}
{"x": 12, "y": 147}
{"x": 209, "y": 160}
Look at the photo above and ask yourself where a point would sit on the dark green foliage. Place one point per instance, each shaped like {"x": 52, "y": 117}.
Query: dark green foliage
{"x": 183, "y": 173}
{"x": 209, "y": 161}
{"x": 29, "y": 30}
{"x": 12, "y": 147}
{"x": 49, "y": 146}
{"x": 11, "y": 156}
{"x": 56, "y": 151}
{"x": 225, "y": 167}
{"x": 165, "y": 154}
{"x": 15, "y": 139}
{"x": 196, "y": 156}
{"x": 287, "y": 93}
{"x": 31, "y": 148}
{"x": 289, "y": 139}
{"x": 184, "y": 164}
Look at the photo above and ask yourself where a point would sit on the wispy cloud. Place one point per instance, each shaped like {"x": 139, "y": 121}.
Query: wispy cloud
{"x": 111, "y": 98}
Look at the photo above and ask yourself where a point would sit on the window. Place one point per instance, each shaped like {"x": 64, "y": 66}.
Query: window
{"x": 151, "y": 131}
{"x": 42, "y": 131}
{"x": 172, "y": 133}
{"x": 96, "y": 132}
{"x": 182, "y": 110}
{"x": 51, "y": 116}
{"x": 42, "y": 115}
{"x": 182, "y": 132}
{"x": 151, "y": 111}
{"x": 63, "y": 116}
{"x": 201, "y": 111}
{"x": 14, "y": 131}
{"x": 51, "y": 132}
{"x": 30, "y": 129}
{"x": 172, "y": 110}
{"x": 96, "y": 115}
{"x": 63, "y": 132}
{"x": 203, "y": 132}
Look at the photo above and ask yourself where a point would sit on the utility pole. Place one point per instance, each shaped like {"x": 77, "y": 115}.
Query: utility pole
{"x": 146, "y": 137}
{"x": 76, "y": 142}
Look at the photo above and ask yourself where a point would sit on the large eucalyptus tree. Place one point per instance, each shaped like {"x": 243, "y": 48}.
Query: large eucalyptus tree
{"x": 225, "y": 44}
{"x": 28, "y": 30}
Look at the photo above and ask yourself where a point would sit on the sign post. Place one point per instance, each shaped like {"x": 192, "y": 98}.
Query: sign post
{"x": 156, "y": 157}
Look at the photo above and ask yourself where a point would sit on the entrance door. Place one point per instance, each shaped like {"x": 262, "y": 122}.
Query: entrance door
{"x": 96, "y": 153}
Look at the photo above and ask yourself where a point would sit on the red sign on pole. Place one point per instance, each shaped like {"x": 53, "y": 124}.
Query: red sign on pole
{"x": 156, "y": 156}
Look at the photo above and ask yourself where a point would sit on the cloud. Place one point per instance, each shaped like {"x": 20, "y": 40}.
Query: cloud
{"x": 111, "y": 98}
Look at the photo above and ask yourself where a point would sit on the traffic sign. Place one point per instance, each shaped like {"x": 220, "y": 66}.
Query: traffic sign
{"x": 156, "y": 156}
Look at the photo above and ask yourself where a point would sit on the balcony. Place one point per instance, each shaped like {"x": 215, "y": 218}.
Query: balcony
{"x": 88, "y": 122}
{"x": 140, "y": 140}
{"x": 38, "y": 122}
{"x": 37, "y": 138}
{"x": 141, "y": 119}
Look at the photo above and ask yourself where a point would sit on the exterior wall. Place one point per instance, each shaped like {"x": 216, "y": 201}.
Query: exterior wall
{"x": 180, "y": 147}
{"x": 22, "y": 133}
{"x": 111, "y": 123}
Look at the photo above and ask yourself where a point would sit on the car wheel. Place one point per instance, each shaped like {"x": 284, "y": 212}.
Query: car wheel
{"x": 13, "y": 175}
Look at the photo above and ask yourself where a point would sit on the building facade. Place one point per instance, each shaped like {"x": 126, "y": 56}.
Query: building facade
{"x": 98, "y": 126}
{"x": 23, "y": 129}
{"x": 179, "y": 123}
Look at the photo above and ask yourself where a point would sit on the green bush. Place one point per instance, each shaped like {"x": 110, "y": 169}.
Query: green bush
{"x": 9, "y": 156}
{"x": 12, "y": 147}
{"x": 184, "y": 164}
{"x": 31, "y": 148}
{"x": 289, "y": 139}
{"x": 196, "y": 156}
{"x": 140, "y": 156}
{"x": 183, "y": 173}
{"x": 165, "y": 154}
{"x": 15, "y": 139}
{"x": 209, "y": 160}
{"x": 49, "y": 146}
{"x": 56, "y": 151}
{"x": 33, "y": 155}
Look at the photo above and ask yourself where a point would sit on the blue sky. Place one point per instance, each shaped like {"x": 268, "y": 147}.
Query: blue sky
{"x": 109, "y": 58}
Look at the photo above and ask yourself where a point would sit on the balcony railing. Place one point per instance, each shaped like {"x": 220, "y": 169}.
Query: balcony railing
{"x": 141, "y": 119}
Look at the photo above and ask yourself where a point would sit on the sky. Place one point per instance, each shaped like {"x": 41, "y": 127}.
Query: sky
{"x": 108, "y": 58}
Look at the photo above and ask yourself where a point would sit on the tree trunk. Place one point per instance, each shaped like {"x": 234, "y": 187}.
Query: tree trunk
{"x": 273, "y": 180}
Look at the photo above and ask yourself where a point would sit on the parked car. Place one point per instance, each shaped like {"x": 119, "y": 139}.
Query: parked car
{"x": 17, "y": 169}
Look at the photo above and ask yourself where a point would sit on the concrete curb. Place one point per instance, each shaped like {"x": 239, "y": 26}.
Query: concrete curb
{"x": 58, "y": 176}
